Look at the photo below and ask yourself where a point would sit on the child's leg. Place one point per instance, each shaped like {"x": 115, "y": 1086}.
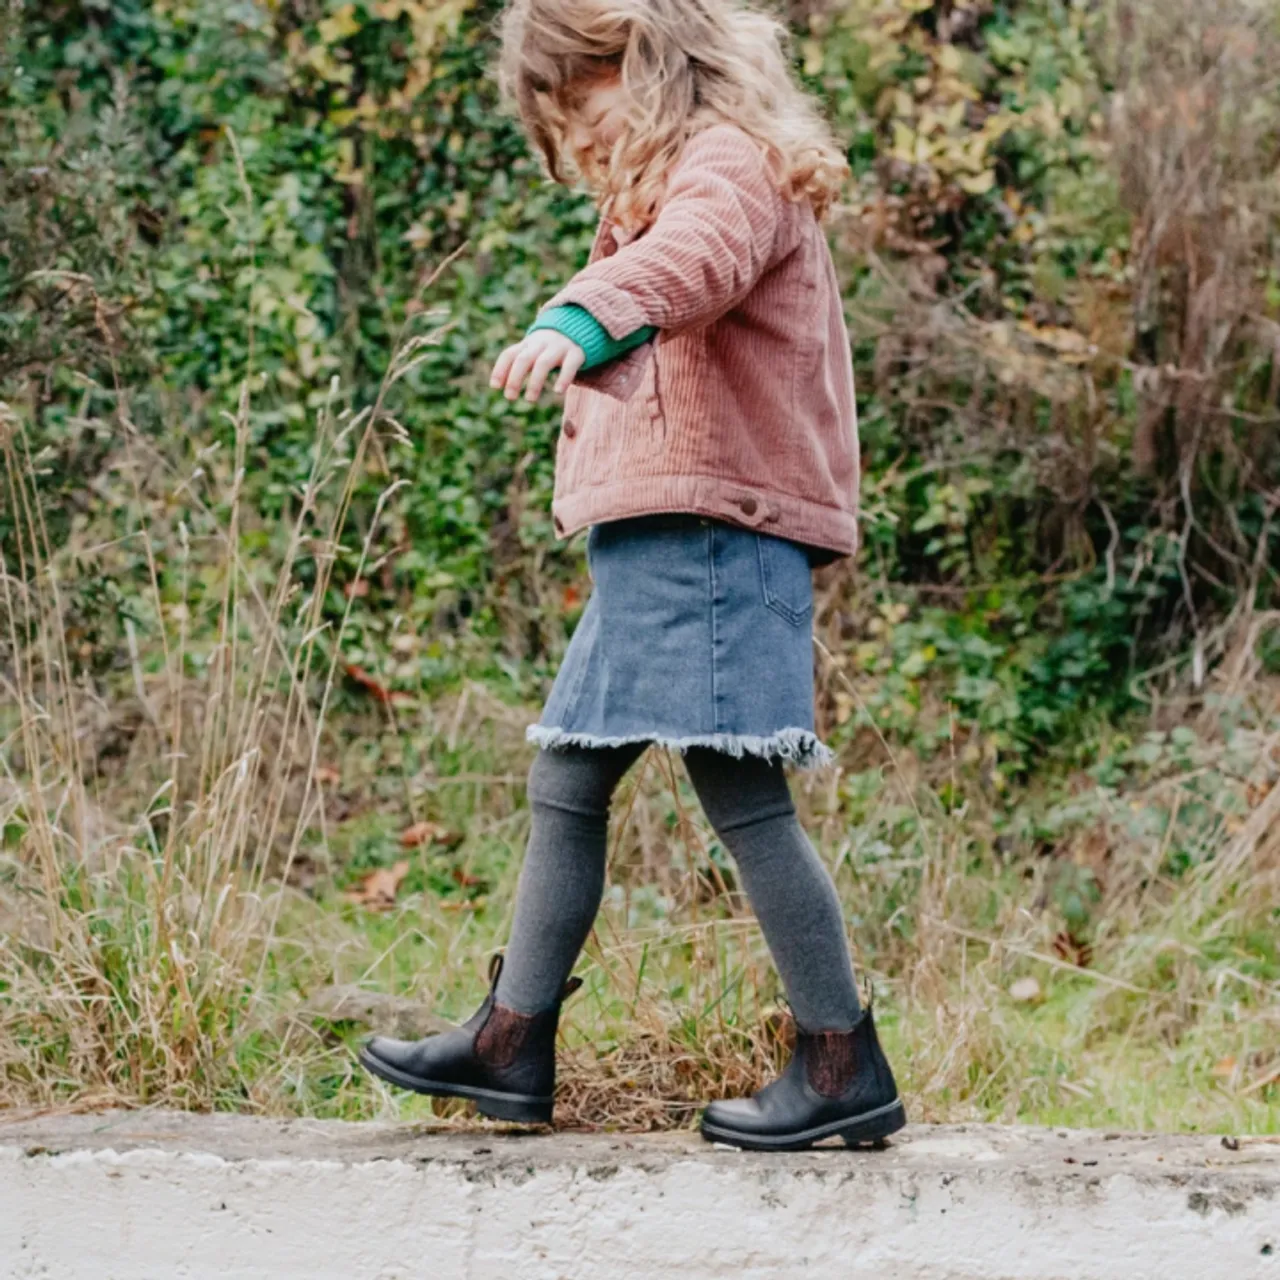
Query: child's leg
{"x": 562, "y": 880}
{"x": 749, "y": 803}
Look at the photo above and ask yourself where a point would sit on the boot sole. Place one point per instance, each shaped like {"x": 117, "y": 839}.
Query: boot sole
{"x": 871, "y": 1126}
{"x": 519, "y": 1108}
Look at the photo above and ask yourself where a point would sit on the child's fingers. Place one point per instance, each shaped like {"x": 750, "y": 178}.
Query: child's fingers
{"x": 542, "y": 366}
{"x": 502, "y": 367}
{"x": 569, "y": 368}
{"x": 526, "y": 354}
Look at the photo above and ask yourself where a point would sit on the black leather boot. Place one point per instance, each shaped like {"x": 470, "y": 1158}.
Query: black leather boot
{"x": 502, "y": 1060}
{"x": 837, "y": 1084}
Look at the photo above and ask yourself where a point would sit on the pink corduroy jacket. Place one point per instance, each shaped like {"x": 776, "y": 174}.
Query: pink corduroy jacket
{"x": 743, "y": 407}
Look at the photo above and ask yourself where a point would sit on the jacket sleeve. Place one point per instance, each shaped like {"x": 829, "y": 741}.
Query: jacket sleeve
{"x": 722, "y": 225}
{"x": 583, "y": 328}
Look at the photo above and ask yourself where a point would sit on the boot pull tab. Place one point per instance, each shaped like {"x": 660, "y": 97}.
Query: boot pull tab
{"x": 495, "y": 969}
{"x": 574, "y": 984}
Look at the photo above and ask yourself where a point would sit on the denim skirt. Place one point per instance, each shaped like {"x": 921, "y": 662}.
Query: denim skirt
{"x": 697, "y": 634}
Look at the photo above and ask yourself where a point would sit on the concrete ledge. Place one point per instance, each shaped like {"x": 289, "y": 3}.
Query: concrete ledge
{"x": 157, "y": 1196}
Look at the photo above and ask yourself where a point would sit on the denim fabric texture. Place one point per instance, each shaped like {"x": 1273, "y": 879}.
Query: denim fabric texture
{"x": 697, "y": 634}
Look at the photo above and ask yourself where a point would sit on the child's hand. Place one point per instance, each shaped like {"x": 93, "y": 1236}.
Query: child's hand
{"x": 534, "y": 357}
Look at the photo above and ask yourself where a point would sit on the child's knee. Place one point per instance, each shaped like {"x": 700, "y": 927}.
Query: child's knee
{"x": 571, "y": 781}
{"x": 738, "y": 792}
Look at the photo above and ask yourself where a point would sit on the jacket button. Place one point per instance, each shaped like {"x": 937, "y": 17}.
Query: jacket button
{"x": 570, "y": 428}
{"x": 748, "y": 506}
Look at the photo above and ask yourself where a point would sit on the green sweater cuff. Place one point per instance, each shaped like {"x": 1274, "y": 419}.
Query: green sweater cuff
{"x": 580, "y": 326}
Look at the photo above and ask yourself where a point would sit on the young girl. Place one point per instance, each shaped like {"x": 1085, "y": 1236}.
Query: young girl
{"x": 709, "y": 445}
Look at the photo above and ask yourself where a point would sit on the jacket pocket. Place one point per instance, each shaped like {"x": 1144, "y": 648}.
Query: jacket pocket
{"x": 786, "y": 579}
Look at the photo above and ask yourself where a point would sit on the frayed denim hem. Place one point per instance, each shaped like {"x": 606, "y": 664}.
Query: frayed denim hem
{"x": 800, "y": 747}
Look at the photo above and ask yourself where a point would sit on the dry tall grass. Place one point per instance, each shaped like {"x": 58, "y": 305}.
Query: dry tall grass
{"x": 147, "y": 845}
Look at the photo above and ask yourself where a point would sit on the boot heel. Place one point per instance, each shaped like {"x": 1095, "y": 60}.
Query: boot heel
{"x": 516, "y": 1110}
{"x": 874, "y": 1129}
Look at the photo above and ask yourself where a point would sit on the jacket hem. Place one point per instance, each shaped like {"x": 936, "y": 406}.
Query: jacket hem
{"x": 800, "y": 747}
{"x": 751, "y": 507}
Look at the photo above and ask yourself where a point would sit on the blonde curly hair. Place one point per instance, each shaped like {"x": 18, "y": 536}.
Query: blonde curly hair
{"x": 683, "y": 65}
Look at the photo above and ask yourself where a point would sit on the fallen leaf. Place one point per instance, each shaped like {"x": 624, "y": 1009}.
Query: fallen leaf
{"x": 356, "y": 590}
{"x": 377, "y": 890}
{"x": 1224, "y": 1068}
{"x": 429, "y": 833}
{"x": 1026, "y": 991}
{"x": 374, "y": 685}
{"x": 465, "y": 880}
{"x": 473, "y": 904}
{"x": 366, "y": 681}
{"x": 1073, "y": 950}
{"x": 327, "y": 775}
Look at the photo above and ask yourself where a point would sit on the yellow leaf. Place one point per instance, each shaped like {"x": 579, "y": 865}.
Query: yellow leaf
{"x": 429, "y": 833}
{"x": 996, "y": 125}
{"x": 1066, "y": 341}
{"x": 417, "y": 237}
{"x": 904, "y": 142}
{"x": 347, "y": 171}
{"x": 338, "y": 26}
{"x": 949, "y": 58}
{"x": 979, "y": 184}
{"x": 459, "y": 207}
{"x": 1070, "y": 98}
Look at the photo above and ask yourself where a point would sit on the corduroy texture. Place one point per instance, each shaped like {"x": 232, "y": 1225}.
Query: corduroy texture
{"x": 583, "y": 328}
{"x": 743, "y": 409}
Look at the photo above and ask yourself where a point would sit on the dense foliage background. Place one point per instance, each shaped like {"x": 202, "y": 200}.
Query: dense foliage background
{"x": 1062, "y": 291}
{"x": 221, "y": 219}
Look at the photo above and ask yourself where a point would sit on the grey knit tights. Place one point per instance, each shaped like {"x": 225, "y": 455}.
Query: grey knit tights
{"x": 749, "y": 804}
